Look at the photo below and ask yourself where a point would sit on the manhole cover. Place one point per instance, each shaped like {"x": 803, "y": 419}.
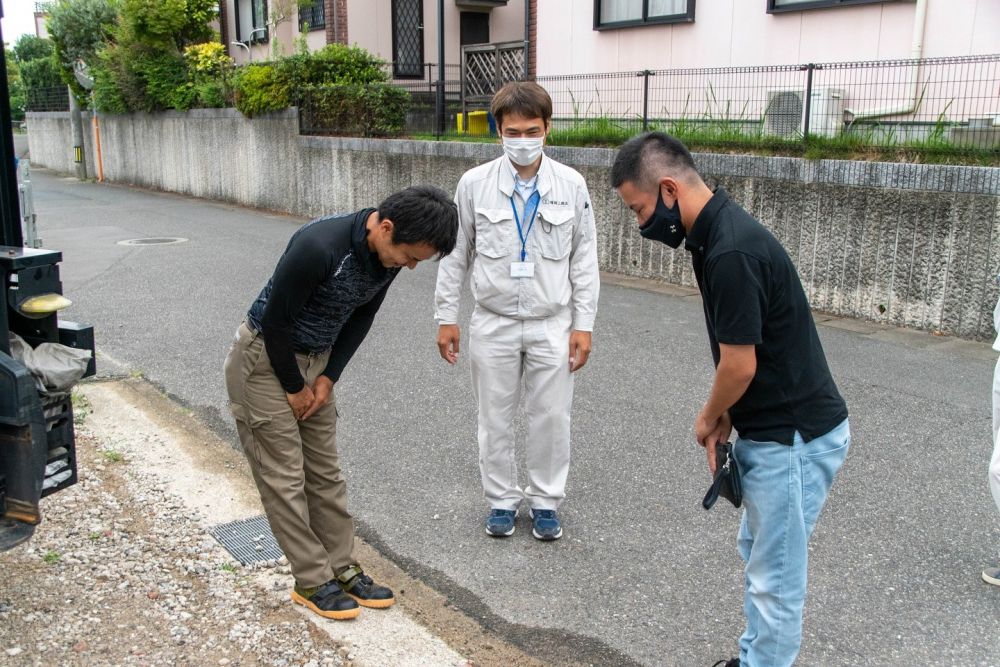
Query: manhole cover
{"x": 248, "y": 540}
{"x": 165, "y": 240}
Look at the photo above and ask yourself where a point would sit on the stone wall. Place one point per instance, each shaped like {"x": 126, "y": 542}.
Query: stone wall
{"x": 901, "y": 244}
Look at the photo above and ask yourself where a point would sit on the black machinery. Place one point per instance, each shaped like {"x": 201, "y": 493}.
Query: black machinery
{"x": 37, "y": 451}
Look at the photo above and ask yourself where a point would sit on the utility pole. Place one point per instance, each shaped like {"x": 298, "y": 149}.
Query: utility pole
{"x": 76, "y": 123}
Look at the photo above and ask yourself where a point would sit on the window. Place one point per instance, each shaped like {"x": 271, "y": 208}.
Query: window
{"x": 474, "y": 28}
{"x": 778, "y": 6}
{"x": 312, "y": 16}
{"x": 408, "y": 39}
{"x": 627, "y": 13}
{"x": 251, "y": 21}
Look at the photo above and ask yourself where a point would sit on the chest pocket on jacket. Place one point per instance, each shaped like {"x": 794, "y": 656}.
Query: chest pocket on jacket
{"x": 494, "y": 228}
{"x": 554, "y": 232}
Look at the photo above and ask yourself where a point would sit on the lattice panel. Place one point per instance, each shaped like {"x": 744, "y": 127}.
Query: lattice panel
{"x": 479, "y": 73}
{"x": 510, "y": 65}
{"x": 486, "y": 69}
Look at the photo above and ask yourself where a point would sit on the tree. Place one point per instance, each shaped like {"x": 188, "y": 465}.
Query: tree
{"x": 29, "y": 47}
{"x": 79, "y": 29}
{"x": 170, "y": 23}
{"x": 37, "y": 73}
{"x": 279, "y": 11}
{"x": 142, "y": 67}
{"x": 14, "y": 86}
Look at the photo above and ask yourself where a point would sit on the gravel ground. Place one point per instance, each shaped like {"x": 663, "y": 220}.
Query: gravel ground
{"x": 121, "y": 573}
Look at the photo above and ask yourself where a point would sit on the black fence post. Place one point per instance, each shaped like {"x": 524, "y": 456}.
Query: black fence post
{"x": 645, "y": 98}
{"x": 808, "y": 102}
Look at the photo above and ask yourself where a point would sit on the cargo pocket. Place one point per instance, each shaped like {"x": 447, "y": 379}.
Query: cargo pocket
{"x": 249, "y": 425}
{"x": 555, "y": 236}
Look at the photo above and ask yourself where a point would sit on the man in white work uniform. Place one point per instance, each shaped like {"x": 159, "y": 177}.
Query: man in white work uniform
{"x": 527, "y": 235}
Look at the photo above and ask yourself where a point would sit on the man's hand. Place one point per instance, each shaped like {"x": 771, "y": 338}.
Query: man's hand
{"x": 301, "y": 401}
{"x": 447, "y": 340}
{"x": 710, "y": 432}
{"x": 322, "y": 388}
{"x": 579, "y": 349}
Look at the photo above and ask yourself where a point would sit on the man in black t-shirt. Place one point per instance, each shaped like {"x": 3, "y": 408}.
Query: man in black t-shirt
{"x": 772, "y": 382}
{"x": 297, "y": 338}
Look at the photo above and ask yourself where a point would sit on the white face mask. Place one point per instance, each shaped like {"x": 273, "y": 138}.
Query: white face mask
{"x": 523, "y": 152}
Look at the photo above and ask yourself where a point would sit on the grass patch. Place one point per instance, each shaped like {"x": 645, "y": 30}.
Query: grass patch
{"x": 51, "y": 557}
{"x": 228, "y": 567}
{"x": 81, "y": 407}
{"x": 112, "y": 456}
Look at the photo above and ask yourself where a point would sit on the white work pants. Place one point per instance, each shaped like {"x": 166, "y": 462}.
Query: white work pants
{"x": 504, "y": 351}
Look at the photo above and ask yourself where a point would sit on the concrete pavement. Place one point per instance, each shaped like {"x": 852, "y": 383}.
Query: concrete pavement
{"x": 644, "y": 574}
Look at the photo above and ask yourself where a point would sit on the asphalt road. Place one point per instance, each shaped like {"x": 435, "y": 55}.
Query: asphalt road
{"x": 644, "y": 574}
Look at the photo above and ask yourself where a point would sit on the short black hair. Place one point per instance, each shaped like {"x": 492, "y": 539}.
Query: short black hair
{"x": 422, "y": 214}
{"x": 647, "y": 158}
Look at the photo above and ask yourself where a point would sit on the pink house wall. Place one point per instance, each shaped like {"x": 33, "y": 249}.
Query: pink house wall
{"x": 369, "y": 25}
{"x": 730, "y": 33}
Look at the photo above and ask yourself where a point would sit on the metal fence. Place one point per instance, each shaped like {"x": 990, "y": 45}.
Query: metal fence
{"x": 55, "y": 98}
{"x": 898, "y": 109}
{"x": 947, "y": 105}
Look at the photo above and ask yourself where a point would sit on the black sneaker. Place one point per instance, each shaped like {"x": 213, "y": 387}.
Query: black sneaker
{"x": 328, "y": 600}
{"x": 360, "y": 586}
{"x": 732, "y": 662}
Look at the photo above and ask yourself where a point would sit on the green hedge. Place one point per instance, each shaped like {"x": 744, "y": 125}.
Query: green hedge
{"x": 371, "y": 110}
{"x": 260, "y": 88}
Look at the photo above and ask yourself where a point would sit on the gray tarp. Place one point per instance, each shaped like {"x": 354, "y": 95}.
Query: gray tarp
{"x": 56, "y": 367}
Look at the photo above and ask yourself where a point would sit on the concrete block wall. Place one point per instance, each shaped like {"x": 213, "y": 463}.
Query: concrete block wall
{"x": 900, "y": 244}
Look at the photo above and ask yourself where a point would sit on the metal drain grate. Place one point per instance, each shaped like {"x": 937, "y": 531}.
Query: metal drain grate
{"x": 248, "y": 540}
{"x": 167, "y": 240}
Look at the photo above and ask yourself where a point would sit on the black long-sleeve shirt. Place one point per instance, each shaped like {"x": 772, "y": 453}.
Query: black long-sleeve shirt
{"x": 323, "y": 295}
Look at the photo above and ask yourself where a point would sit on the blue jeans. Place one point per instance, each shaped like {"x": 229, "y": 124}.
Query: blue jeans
{"x": 784, "y": 489}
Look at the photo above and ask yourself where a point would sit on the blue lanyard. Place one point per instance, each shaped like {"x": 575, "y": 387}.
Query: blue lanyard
{"x": 530, "y": 207}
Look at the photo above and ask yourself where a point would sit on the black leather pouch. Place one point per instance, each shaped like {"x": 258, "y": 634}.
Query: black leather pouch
{"x": 727, "y": 478}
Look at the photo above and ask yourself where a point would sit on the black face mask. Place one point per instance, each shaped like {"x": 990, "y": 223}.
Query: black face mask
{"x": 664, "y": 225}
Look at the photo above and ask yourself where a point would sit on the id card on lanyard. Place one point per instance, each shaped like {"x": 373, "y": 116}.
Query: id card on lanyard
{"x": 523, "y": 268}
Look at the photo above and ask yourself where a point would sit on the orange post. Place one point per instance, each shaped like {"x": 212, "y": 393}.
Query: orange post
{"x": 97, "y": 145}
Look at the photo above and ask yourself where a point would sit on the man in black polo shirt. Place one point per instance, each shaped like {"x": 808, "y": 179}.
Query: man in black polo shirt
{"x": 298, "y": 336}
{"x": 771, "y": 382}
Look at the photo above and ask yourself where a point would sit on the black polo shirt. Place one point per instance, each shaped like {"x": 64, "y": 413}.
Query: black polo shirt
{"x": 753, "y": 296}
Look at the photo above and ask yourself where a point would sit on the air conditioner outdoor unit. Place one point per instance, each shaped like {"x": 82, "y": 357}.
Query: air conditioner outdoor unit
{"x": 786, "y": 111}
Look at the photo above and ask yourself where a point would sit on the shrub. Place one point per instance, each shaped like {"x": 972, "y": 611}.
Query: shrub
{"x": 372, "y": 110}
{"x": 333, "y": 64}
{"x": 108, "y": 97}
{"x": 29, "y": 47}
{"x": 210, "y": 74}
{"x": 259, "y": 88}
{"x": 169, "y": 24}
{"x": 41, "y": 73}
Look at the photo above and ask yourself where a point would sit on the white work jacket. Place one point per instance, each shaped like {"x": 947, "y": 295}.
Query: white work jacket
{"x": 562, "y": 246}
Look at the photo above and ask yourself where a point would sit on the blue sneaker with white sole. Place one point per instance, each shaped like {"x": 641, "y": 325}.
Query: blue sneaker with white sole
{"x": 500, "y": 523}
{"x": 545, "y": 525}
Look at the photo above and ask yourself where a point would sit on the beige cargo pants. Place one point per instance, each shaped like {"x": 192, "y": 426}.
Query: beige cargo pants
{"x": 295, "y": 464}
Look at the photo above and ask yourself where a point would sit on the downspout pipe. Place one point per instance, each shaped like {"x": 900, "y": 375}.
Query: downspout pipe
{"x": 527, "y": 36}
{"x": 916, "y": 52}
